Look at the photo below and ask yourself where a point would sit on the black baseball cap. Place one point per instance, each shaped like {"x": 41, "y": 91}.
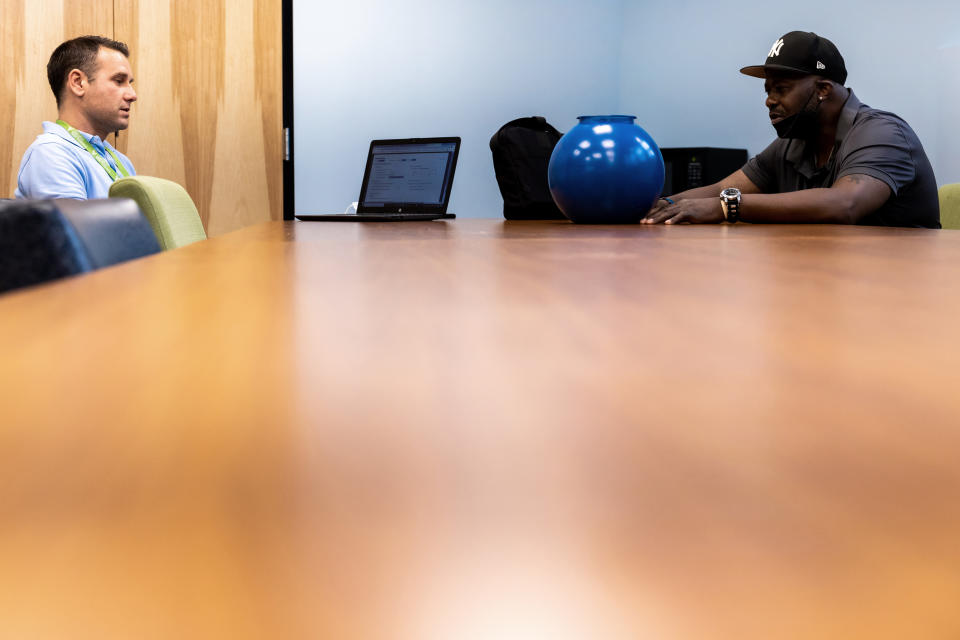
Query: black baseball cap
{"x": 802, "y": 52}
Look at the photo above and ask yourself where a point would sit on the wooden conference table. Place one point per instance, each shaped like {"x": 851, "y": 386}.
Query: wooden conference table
{"x": 479, "y": 429}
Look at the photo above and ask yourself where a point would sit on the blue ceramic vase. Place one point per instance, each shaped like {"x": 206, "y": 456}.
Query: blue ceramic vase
{"x": 607, "y": 169}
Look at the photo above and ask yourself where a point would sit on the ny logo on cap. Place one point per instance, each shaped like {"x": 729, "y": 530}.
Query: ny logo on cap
{"x": 775, "y": 49}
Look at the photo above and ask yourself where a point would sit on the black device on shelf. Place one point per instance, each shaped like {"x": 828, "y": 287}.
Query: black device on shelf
{"x": 692, "y": 167}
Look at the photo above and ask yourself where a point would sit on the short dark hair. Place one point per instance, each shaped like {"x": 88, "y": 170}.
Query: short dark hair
{"x": 79, "y": 53}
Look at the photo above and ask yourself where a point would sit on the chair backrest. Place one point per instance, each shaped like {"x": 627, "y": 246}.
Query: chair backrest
{"x": 950, "y": 206}
{"x": 166, "y": 205}
{"x": 42, "y": 240}
{"x": 112, "y": 230}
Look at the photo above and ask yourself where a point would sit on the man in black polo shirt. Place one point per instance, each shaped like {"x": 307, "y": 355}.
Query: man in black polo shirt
{"x": 836, "y": 160}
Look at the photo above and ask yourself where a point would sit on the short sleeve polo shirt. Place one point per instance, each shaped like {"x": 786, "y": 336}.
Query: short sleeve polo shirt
{"x": 56, "y": 166}
{"x": 869, "y": 142}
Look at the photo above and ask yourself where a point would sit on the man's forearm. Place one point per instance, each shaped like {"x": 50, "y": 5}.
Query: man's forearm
{"x": 709, "y": 191}
{"x": 819, "y": 206}
{"x": 737, "y": 179}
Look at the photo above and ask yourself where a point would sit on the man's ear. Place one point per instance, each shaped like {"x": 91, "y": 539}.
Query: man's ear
{"x": 824, "y": 90}
{"x": 77, "y": 82}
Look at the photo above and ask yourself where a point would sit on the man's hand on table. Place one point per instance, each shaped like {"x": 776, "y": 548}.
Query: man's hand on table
{"x": 694, "y": 210}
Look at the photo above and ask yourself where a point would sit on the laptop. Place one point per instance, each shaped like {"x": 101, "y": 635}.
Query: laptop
{"x": 408, "y": 179}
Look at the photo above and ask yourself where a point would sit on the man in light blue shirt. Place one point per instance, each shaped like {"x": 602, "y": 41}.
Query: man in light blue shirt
{"x": 92, "y": 81}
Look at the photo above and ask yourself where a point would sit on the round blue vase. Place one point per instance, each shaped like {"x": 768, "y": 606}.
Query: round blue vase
{"x": 607, "y": 169}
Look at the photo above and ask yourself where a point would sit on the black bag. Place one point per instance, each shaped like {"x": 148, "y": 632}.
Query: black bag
{"x": 521, "y": 152}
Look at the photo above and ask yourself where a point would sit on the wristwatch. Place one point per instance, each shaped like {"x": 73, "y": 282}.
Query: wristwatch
{"x": 730, "y": 202}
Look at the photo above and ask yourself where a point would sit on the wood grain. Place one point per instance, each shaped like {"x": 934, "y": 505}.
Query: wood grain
{"x": 87, "y": 18}
{"x": 12, "y": 54}
{"x": 209, "y": 115}
{"x": 154, "y": 140}
{"x": 240, "y": 183}
{"x": 198, "y": 48}
{"x": 210, "y": 111}
{"x": 484, "y": 429}
{"x": 268, "y": 65}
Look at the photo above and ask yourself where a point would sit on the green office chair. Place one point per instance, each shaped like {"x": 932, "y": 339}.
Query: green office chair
{"x": 166, "y": 205}
{"x": 950, "y": 206}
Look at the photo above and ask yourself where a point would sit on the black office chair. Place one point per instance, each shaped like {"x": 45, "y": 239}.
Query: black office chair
{"x": 42, "y": 240}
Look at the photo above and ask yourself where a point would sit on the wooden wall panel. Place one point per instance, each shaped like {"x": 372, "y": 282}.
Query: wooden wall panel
{"x": 240, "y": 183}
{"x": 154, "y": 140}
{"x": 12, "y": 59}
{"x": 81, "y": 18}
{"x": 209, "y": 79}
{"x": 209, "y": 114}
{"x": 30, "y": 31}
{"x": 268, "y": 58}
{"x": 198, "y": 42}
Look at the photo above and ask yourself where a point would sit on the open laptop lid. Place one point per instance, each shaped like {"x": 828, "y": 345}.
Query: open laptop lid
{"x": 412, "y": 175}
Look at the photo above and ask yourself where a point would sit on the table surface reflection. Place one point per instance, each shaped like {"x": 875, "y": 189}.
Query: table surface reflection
{"x": 487, "y": 429}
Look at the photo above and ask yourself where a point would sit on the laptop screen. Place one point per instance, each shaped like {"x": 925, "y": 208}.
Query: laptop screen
{"x": 408, "y": 175}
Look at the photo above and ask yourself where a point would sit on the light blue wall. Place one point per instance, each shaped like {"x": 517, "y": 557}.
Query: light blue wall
{"x": 372, "y": 69}
{"x": 681, "y": 62}
{"x": 378, "y": 68}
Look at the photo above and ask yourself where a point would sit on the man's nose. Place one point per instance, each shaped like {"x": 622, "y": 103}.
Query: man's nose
{"x": 770, "y": 102}
{"x": 131, "y": 95}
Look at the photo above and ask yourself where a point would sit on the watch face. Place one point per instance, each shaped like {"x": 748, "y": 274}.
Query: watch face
{"x": 730, "y": 192}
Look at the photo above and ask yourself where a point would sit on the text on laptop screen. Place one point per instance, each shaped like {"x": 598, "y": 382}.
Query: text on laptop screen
{"x": 409, "y": 173}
